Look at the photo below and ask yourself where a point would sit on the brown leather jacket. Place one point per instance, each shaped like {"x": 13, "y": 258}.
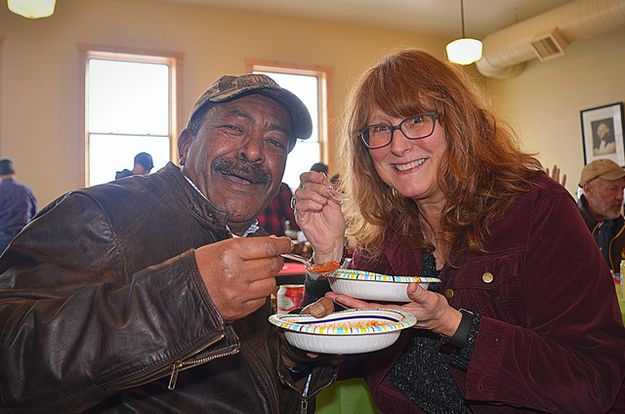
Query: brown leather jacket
{"x": 102, "y": 309}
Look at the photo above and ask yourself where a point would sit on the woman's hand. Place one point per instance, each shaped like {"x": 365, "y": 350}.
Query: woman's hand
{"x": 318, "y": 214}
{"x": 431, "y": 309}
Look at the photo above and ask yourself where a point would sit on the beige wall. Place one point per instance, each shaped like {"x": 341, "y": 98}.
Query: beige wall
{"x": 544, "y": 102}
{"x": 39, "y": 84}
{"x": 40, "y": 95}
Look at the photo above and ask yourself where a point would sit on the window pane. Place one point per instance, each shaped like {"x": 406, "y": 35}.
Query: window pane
{"x": 109, "y": 154}
{"x": 303, "y": 156}
{"x": 307, "y": 152}
{"x": 128, "y": 97}
{"x": 306, "y": 89}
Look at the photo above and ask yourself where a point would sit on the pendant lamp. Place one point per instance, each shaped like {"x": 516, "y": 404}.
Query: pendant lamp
{"x": 464, "y": 51}
{"x": 32, "y": 9}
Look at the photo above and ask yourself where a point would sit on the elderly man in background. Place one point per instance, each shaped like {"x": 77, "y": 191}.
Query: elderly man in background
{"x": 603, "y": 182}
{"x": 147, "y": 295}
{"x": 18, "y": 205}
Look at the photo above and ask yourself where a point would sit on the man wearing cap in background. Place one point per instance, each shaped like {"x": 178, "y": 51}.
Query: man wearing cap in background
{"x": 602, "y": 182}
{"x": 147, "y": 295}
{"x": 143, "y": 164}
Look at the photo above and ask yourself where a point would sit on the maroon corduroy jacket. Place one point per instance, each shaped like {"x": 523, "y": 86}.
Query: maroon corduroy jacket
{"x": 551, "y": 337}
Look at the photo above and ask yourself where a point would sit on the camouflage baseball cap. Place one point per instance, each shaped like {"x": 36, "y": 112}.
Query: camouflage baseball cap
{"x": 230, "y": 87}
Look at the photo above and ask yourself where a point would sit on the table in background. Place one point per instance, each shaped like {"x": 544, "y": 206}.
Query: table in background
{"x": 291, "y": 274}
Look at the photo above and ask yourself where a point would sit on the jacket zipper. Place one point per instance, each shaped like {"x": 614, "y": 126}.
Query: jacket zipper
{"x": 181, "y": 364}
{"x": 177, "y": 366}
{"x": 305, "y": 394}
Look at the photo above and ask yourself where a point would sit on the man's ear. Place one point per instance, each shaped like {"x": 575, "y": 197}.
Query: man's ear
{"x": 184, "y": 142}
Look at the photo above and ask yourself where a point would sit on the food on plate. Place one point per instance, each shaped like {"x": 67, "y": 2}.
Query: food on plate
{"x": 357, "y": 324}
{"x": 352, "y": 331}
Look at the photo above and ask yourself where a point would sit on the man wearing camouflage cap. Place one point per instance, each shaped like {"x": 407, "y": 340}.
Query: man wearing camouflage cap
{"x": 603, "y": 182}
{"x": 147, "y": 295}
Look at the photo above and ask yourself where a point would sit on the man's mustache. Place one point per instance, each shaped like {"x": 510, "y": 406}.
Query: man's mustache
{"x": 242, "y": 169}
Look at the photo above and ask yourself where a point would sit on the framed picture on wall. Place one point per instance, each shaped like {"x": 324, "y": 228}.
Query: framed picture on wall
{"x": 602, "y": 133}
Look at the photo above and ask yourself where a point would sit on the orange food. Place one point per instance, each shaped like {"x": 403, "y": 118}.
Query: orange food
{"x": 325, "y": 267}
{"x": 353, "y": 324}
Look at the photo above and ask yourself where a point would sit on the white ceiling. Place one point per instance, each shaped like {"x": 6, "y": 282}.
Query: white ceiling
{"x": 429, "y": 17}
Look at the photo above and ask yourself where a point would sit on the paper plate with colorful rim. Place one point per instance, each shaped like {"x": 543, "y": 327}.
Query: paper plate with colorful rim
{"x": 367, "y": 285}
{"x": 353, "y": 331}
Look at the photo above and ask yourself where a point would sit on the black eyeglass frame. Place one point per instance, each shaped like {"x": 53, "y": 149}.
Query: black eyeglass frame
{"x": 363, "y": 134}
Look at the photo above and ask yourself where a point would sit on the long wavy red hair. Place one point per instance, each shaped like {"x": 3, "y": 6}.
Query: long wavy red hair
{"x": 481, "y": 172}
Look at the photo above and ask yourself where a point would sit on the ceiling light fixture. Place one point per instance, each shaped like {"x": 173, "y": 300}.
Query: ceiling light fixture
{"x": 466, "y": 50}
{"x": 32, "y": 9}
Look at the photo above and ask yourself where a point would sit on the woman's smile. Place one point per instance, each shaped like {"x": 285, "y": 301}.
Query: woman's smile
{"x": 408, "y": 165}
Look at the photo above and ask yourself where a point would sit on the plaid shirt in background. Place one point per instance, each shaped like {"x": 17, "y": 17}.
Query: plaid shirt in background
{"x": 272, "y": 219}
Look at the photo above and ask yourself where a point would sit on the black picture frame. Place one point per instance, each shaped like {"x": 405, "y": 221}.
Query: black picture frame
{"x": 602, "y": 133}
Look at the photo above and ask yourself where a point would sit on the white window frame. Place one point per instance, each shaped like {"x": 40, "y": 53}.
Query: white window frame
{"x": 324, "y": 81}
{"x": 172, "y": 59}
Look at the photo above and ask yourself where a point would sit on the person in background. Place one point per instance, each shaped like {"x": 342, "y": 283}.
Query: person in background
{"x": 147, "y": 295}
{"x": 275, "y": 217}
{"x": 555, "y": 175}
{"x": 18, "y": 205}
{"x": 142, "y": 165}
{"x": 603, "y": 182}
{"x": 525, "y": 315}
{"x": 319, "y": 167}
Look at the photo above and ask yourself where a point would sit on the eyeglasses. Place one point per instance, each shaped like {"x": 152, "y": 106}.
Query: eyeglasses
{"x": 418, "y": 126}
